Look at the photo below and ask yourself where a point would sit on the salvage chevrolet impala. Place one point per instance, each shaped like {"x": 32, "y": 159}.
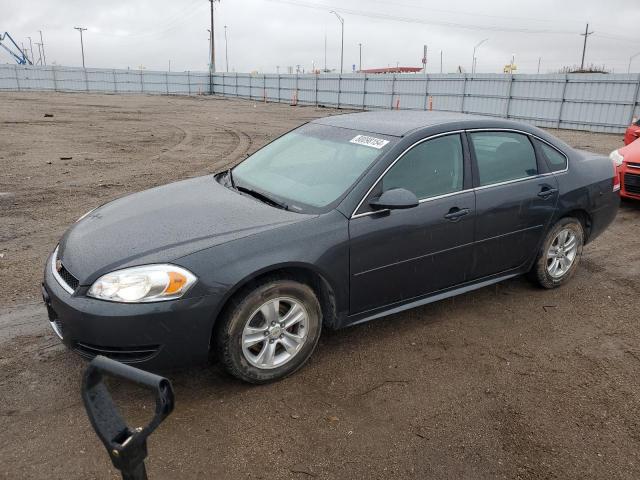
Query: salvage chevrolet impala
{"x": 340, "y": 221}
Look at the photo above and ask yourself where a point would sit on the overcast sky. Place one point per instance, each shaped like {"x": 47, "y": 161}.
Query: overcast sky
{"x": 263, "y": 34}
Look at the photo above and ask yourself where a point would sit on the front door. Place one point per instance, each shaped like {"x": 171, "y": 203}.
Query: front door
{"x": 396, "y": 255}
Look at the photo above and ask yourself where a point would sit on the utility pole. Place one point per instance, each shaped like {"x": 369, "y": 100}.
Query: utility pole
{"x": 341, "y": 39}
{"x": 44, "y": 57}
{"x": 424, "y": 59}
{"x": 278, "y": 69}
{"x": 212, "y": 61}
{"x": 226, "y": 49}
{"x": 360, "y": 64}
{"x": 33, "y": 58}
{"x": 440, "y": 61}
{"x": 584, "y": 48}
{"x": 81, "y": 29}
{"x": 539, "y": 61}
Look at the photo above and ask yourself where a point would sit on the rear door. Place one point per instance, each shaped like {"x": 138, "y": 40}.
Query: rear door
{"x": 397, "y": 255}
{"x": 515, "y": 200}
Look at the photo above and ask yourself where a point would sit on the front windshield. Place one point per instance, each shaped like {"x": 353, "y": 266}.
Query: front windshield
{"x": 310, "y": 166}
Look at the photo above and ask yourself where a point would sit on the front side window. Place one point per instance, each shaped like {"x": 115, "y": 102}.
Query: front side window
{"x": 503, "y": 156}
{"x": 312, "y": 166}
{"x": 429, "y": 169}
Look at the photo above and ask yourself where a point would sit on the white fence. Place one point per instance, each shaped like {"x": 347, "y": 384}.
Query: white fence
{"x": 604, "y": 103}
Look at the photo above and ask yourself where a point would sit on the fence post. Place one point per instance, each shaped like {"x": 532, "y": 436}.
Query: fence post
{"x": 316, "y": 88}
{"x": 506, "y": 113}
{"x": 55, "y": 80}
{"x": 393, "y": 90}
{"x": 464, "y": 92}
{"x": 564, "y": 91}
{"x": 339, "y": 88}
{"x": 86, "y": 80}
{"x": 15, "y": 69}
{"x": 115, "y": 82}
{"x": 426, "y": 92}
{"x": 141, "y": 82}
{"x": 297, "y": 90}
{"x": 166, "y": 81}
{"x": 364, "y": 92}
{"x": 279, "y": 96}
{"x": 188, "y": 82}
{"x": 634, "y": 101}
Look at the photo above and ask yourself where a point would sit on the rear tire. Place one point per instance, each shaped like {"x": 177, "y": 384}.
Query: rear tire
{"x": 269, "y": 332}
{"x": 559, "y": 254}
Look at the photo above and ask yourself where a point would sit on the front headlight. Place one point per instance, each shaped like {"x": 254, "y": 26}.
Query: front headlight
{"x": 616, "y": 158}
{"x": 148, "y": 283}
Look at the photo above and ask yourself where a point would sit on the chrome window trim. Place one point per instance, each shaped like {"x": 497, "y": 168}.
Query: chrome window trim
{"x": 422, "y": 140}
{"x": 471, "y": 130}
{"x": 514, "y": 130}
{"x": 56, "y": 275}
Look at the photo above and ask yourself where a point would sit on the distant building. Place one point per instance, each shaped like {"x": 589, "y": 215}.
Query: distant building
{"x": 392, "y": 70}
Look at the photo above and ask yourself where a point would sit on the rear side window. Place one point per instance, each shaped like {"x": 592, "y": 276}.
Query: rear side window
{"x": 429, "y": 169}
{"x": 503, "y": 156}
{"x": 555, "y": 160}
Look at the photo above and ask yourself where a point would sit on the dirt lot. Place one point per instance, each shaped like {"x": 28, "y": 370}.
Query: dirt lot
{"x": 506, "y": 382}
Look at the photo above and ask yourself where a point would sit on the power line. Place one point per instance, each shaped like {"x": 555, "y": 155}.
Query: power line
{"x": 383, "y": 16}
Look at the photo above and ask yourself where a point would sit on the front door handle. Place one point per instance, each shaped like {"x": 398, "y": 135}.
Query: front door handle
{"x": 456, "y": 214}
{"x": 546, "y": 192}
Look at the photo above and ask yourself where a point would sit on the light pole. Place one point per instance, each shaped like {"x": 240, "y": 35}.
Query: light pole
{"x": 44, "y": 57}
{"x": 631, "y": 60}
{"x": 226, "y": 49}
{"x": 33, "y": 59}
{"x": 360, "y": 64}
{"x": 81, "y": 29}
{"x": 473, "y": 62}
{"x": 341, "y": 39}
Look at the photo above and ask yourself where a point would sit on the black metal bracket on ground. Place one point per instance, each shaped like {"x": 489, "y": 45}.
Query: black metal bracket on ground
{"x": 127, "y": 447}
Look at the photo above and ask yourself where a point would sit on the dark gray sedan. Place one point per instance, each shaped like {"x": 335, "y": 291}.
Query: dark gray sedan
{"x": 340, "y": 221}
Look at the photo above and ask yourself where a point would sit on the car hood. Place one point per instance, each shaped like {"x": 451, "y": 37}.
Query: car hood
{"x": 163, "y": 224}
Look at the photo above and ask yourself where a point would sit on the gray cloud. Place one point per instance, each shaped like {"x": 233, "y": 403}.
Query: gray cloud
{"x": 264, "y": 34}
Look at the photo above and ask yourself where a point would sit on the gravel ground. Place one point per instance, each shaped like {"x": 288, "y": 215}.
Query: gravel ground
{"x": 506, "y": 382}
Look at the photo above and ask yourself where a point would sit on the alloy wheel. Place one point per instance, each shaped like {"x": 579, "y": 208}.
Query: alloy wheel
{"x": 275, "y": 333}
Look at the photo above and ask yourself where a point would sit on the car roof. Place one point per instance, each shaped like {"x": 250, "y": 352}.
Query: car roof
{"x": 396, "y": 122}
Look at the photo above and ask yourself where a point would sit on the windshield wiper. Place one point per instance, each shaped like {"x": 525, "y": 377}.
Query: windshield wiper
{"x": 230, "y": 174}
{"x": 264, "y": 198}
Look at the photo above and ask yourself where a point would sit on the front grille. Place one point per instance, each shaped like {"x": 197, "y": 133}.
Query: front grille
{"x": 68, "y": 278}
{"x": 121, "y": 354}
{"x": 633, "y": 165}
{"x": 632, "y": 183}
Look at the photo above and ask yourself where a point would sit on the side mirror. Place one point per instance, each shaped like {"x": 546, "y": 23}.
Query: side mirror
{"x": 395, "y": 199}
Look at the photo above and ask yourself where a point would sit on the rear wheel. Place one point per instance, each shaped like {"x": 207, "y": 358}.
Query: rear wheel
{"x": 269, "y": 332}
{"x": 560, "y": 254}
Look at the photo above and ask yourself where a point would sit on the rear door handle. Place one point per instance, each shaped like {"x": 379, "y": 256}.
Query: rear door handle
{"x": 547, "y": 192}
{"x": 456, "y": 213}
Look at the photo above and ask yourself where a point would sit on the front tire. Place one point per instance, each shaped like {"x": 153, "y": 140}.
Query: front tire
{"x": 269, "y": 332}
{"x": 560, "y": 254}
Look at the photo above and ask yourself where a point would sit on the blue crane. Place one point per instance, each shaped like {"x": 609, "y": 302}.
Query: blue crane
{"x": 20, "y": 57}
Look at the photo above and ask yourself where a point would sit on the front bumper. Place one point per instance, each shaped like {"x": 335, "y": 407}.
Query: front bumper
{"x": 629, "y": 182}
{"x": 154, "y": 336}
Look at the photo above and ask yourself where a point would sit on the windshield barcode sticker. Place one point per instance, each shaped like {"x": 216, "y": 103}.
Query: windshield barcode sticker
{"x": 369, "y": 141}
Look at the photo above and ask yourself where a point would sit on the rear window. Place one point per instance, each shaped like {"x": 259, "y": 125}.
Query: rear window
{"x": 555, "y": 160}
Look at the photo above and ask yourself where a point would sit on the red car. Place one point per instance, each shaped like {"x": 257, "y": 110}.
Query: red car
{"x": 627, "y": 161}
{"x": 633, "y": 132}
